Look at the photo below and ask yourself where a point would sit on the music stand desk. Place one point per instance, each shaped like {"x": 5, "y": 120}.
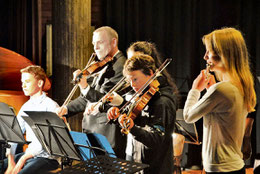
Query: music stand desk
{"x": 53, "y": 134}
{"x": 10, "y": 130}
{"x": 56, "y": 139}
{"x": 189, "y": 131}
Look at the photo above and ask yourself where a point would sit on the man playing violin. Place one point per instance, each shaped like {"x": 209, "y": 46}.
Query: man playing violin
{"x": 150, "y": 133}
{"x": 105, "y": 42}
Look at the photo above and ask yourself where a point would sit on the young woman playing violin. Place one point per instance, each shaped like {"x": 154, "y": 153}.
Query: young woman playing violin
{"x": 149, "y": 133}
{"x": 149, "y": 48}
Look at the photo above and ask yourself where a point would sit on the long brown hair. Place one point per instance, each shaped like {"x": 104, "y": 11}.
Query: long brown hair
{"x": 229, "y": 45}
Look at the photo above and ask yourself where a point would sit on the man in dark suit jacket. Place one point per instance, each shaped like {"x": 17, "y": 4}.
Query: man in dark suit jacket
{"x": 105, "y": 42}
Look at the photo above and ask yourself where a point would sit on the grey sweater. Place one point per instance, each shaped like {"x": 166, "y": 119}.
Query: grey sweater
{"x": 224, "y": 114}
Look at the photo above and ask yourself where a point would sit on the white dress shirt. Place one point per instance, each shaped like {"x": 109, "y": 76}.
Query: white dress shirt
{"x": 41, "y": 103}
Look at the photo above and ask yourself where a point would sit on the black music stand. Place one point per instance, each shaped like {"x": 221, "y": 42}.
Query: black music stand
{"x": 53, "y": 135}
{"x": 189, "y": 131}
{"x": 104, "y": 164}
{"x": 99, "y": 157}
{"x": 56, "y": 140}
{"x": 10, "y": 130}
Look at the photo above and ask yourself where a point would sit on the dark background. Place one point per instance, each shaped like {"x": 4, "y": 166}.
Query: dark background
{"x": 175, "y": 26}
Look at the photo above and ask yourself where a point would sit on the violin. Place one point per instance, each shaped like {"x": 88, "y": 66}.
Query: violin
{"x": 141, "y": 102}
{"x": 93, "y": 68}
{"x": 90, "y": 69}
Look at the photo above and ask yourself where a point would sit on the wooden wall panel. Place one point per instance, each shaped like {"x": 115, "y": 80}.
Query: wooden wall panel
{"x": 75, "y": 48}
{"x": 72, "y": 47}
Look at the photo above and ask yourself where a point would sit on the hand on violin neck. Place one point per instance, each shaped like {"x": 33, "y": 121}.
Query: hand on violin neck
{"x": 126, "y": 122}
{"x": 76, "y": 74}
{"x": 113, "y": 113}
{"x": 80, "y": 79}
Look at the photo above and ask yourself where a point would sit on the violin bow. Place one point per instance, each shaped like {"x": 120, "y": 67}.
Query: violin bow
{"x": 74, "y": 89}
{"x": 115, "y": 88}
{"x": 158, "y": 71}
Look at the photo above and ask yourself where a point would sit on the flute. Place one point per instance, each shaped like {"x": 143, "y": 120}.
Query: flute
{"x": 207, "y": 72}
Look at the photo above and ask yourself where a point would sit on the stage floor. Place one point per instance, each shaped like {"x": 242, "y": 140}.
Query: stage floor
{"x": 248, "y": 171}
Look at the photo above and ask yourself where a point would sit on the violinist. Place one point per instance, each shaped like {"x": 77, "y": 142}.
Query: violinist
{"x": 105, "y": 42}
{"x": 149, "y": 138}
{"x": 149, "y": 48}
{"x": 139, "y": 47}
